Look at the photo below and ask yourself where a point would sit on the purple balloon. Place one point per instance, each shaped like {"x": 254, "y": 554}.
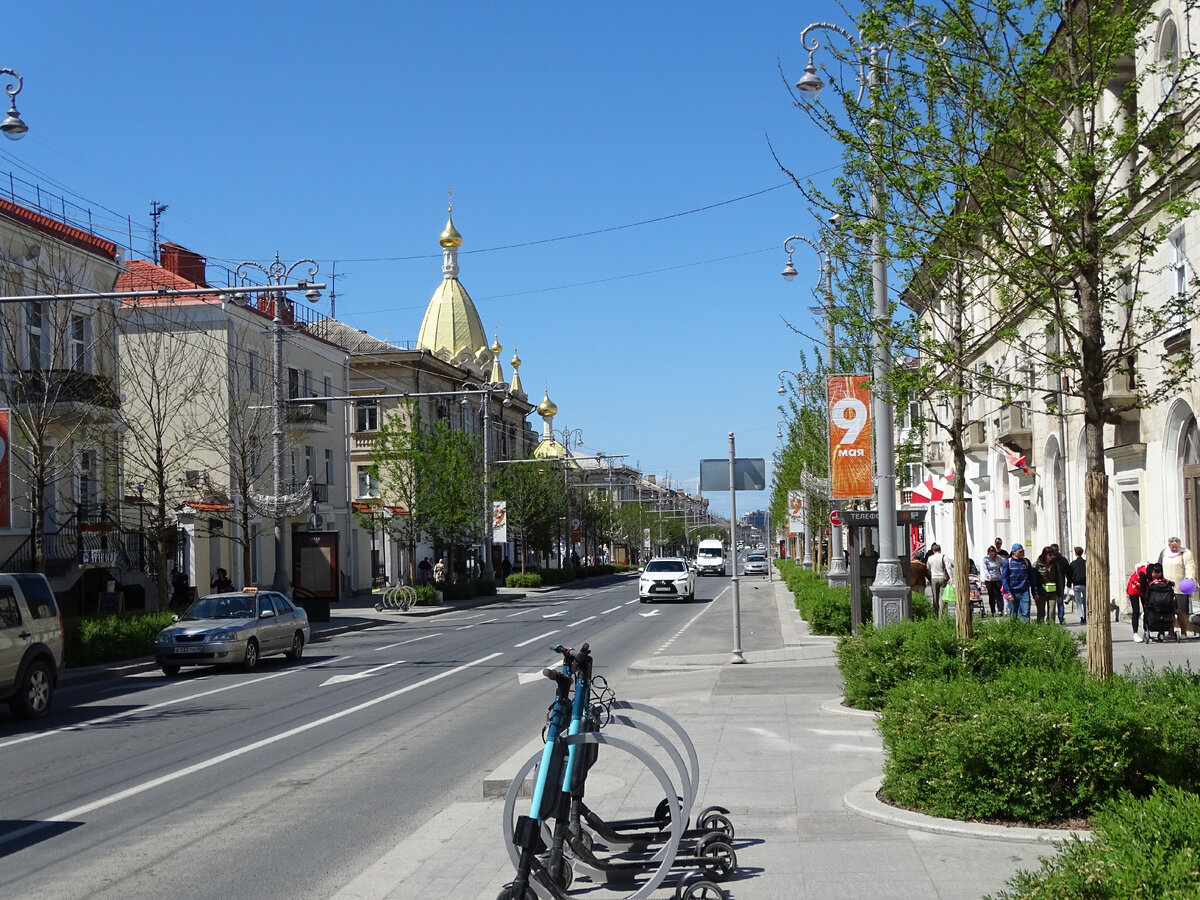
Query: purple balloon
{"x": 1187, "y": 586}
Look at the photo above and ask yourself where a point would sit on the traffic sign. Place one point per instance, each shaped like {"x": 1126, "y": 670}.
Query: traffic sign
{"x": 835, "y": 517}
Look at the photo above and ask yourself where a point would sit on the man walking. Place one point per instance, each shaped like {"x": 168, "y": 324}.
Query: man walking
{"x": 1078, "y": 570}
{"x": 940, "y": 572}
{"x": 1019, "y": 581}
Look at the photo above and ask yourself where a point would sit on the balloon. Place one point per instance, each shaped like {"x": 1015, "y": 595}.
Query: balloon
{"x": 1187, "y": 586}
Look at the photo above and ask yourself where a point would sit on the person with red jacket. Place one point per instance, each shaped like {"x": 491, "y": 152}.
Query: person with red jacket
{"x": 1135, "y": 590}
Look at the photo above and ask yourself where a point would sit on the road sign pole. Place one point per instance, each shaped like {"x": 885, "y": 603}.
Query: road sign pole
{"x": 737, "y": 600}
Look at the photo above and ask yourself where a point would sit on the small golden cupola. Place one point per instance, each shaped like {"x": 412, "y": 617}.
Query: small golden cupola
{"x": 497, "y": 376}
{"x": 516, "y": 387}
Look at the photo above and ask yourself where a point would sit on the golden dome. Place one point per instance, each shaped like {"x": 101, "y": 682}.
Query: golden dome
{"x": 515, "y": 362}
{"x": 450, "y": 236}
{"x": 547, "y": 407}
{"x": 496, "y": 348}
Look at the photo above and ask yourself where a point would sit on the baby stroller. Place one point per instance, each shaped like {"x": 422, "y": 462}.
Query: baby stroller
{"x": 977, "y": 607}
{"x": 1159, "y": 604}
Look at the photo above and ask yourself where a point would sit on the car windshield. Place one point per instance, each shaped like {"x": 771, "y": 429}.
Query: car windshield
{"x": 709, "y": 551}
{"x": 757, "y": 557}
{"x": 221, "y": 607}
{"x": 665, "y": 565}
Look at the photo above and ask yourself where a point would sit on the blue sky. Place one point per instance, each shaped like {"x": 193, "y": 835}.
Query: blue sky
{"x": 335, "y": 130}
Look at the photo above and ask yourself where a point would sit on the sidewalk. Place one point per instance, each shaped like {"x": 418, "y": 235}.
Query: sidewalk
{"x": 797, "y": 771}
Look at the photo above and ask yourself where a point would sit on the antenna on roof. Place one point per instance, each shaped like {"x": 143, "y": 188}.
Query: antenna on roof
{"x": 156, "y": 210}
{"x": 333, "y": 277}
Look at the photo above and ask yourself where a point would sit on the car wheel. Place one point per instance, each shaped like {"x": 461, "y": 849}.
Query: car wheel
{"x": 170, "y": 669}
{"x": 297, "y": 647}
{"x": 32, "y": 699}
{"x": 251, "y": 658}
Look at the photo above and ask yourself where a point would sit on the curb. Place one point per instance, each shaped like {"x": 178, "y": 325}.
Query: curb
{"x": 862, "y": 800}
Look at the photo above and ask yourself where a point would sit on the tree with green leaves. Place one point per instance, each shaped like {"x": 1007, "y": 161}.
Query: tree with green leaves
{"x": 449, "y": 481}
{"x": 395, "y": 451}
{"x": 535, "y": 501}
{"x": 1030, "y": 163}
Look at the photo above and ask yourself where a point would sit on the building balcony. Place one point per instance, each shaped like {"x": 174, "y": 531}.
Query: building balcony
{"x": 975, "y": 442}
{"x": 307, "y": 415}
{"x": 936, "y": 453}
{"x": 1013, "y": 428}
{"x": 67, "y": 389}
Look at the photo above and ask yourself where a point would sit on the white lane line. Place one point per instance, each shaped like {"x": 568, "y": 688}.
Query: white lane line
{"x": 561, "y": 612}
{"x": 355, "y": 676}
{"x": 473, "y": 624}
{"x": 538, "y": 638}
{"x": 581, "y": 621}
{"x": 138, "y": 710}
{"x": 519, "y": 612}
{"x": 529, "y": 677}
{"x": 685, "y": 627}
{"x": 611, "y": 609}
{"x": 423, "y": 637}
{"x": 79, "y": 811}
{"x": 627, "y": 602}
{"x": 460, "y": 618}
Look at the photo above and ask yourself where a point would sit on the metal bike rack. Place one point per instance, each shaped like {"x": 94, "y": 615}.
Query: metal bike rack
{"x": 401, "y": 597}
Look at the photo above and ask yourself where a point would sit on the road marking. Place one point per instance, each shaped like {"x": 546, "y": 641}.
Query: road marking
{"x": 365, "y": 673}
{"x": 462, "y": 618}
{"x": 581, "y": 621}
{"x": 649, "y": 614}
{"x": 613, "y": 609}
{"x": 519, "y": 612}
{"x": 423, "y": 637}
{"x": 686, "y": 626}
{"x": 538, "y": 638}
{"x": 139, "y": 710}
{"x": 473, "y": 624}
{"x": 561, "y": 612}
{"x": 634, "y": 600}
{"x": 79, "y": 811}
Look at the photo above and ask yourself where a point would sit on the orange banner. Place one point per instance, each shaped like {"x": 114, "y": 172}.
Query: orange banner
{"x": 851, "y": 466}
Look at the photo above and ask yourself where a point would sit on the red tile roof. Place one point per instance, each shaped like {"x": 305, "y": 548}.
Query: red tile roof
{"x": 141, "y": 275}
{"x": 66, "y": 233}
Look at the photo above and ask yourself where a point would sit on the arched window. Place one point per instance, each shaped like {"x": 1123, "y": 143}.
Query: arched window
{"x": 1168, "y": 57}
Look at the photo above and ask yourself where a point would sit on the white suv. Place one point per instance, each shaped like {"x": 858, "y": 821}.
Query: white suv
{"x": 666, "y": 576}
{"x": 31, "y": 644}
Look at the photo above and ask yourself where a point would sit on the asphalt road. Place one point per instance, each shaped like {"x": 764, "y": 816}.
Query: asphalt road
{"x": 290, "y": 780}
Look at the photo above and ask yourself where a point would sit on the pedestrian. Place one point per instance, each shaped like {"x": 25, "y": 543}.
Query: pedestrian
{"x": 941, "y": 570}
{"x": 220, "y": 582}
{"x": 1048, "y": 585}
{"x": 1177, "y": 564}
{"x": 1000, "y": 551}
{"x": 1135, "y": 590}
{"x": 424, "y": 571}
{"x": 439, "y": 571}
{"x": 1078, "y": 571}
{"x": 918, "y": 575}
{"x": 506, "y": 568}
{"x": 179, "y": 587}
{"x": 1019, "y": 581}
{"x": 991, "y": 580}
{"x": 1063, "y": 580}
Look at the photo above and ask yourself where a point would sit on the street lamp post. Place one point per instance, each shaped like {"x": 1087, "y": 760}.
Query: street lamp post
{"x": 565, "y": 436}
{"x": 485, "y": 390}
{"x": 805, "y": 554}
{"x": 279, "y": 505}
{"x": 837, "y": 574}
{"x": 889, "y": 593}
{"x": 12, "y": 126}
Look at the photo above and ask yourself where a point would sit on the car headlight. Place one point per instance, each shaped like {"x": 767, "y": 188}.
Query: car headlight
{"x": 163, "y": 638}
{"x": 218, "y": 637}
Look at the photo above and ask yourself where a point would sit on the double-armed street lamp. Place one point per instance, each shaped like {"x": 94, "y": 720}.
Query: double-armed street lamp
{"x": 888, "y": 591}
{"x": 565, "y": 436}
{"x": 485, "y": 391}
{"x": 14, "y": 129}
{"x": 280, "y": 505}
{"x": 837, "y": 574}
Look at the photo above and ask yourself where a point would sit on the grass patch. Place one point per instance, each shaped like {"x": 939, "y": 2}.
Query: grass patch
{"x": 93, "y": 640}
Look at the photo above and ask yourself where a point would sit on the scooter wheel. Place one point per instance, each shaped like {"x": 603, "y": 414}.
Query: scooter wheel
{"x": 509, "y": 892}
{"x": 566, "y": 874}
{"x": 583, "y": 839}
{"x": 662, "y": 812}
{"x": 717, "y": 857}
{"x": 716, "y": 823}
{"x": 702, "y": 890}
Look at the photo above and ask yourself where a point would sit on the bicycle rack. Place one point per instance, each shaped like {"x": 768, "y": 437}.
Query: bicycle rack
{"x": 401, "y": 597}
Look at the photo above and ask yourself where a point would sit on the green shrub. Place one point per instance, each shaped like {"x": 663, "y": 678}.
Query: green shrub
{"x": 426, "y": 595}
{"x": 877, "y": 659}
{"x": 524, "y": 580}
{"x": 556, "y": 576}
{"x": 100, "y": 639}
{"x": 1035, "y": 746}
{"x": 1140, "y": 847}
{"x": 485, "y": 587}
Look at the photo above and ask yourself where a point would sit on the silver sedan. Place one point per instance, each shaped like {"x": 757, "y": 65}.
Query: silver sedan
{"x": 756, "y": 564}
{"x": 236, "y": 628}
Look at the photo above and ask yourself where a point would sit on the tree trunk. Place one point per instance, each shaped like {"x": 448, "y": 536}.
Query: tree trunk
{"x": 1099, "y": 628}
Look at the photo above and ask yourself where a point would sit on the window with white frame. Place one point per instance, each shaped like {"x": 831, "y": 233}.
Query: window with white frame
{"x": 1168, "y": 58}
{"x": 252, "y": 371}
{"x": 88, "y": 495}
{"x": 308, "y": 461}
{"x": 255, "y": 462}
{"x": 79, "y": 355}
{"x": 1177, "y": 277}
{"x": 368, "y": 481}
{"x": 366, "y": 415}
{"x": 329, "y": 467}
{"x": 34, "y": 325}
{"x": 327, "y": 390}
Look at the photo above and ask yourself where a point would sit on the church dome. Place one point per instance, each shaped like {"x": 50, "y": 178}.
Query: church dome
{"x": 547, "y": 407}
{"x": 451, "y": 323}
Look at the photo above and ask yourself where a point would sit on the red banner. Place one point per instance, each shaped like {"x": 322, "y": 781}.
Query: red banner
{"x": 851, "y": 461}
{"x": 5, "y": 489}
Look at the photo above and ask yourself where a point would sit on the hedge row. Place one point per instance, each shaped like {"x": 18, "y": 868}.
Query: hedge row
{"x": 827, "y": 609}
{"x": 103, "y": 639}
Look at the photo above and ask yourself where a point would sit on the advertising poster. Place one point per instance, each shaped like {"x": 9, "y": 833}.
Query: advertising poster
{"x": 499, "y": 522}
{"x": 851, "y": 461}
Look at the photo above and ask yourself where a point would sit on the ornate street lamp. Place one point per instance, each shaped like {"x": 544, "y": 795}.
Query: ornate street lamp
{"x": 485, "y": 390}
{"x": 889, "y": 592}
{"x": 14, "y": 129}
{"x": 279, "y": 505}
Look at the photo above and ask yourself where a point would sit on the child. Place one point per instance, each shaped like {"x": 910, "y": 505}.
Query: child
{"x": 1135, "y": 590}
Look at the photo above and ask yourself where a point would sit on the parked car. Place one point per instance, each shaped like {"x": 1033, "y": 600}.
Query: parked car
{"x": 666, "y": 576}
{"x": 31, "y": 644}
{"x": 236, "y": 628}
{"x": 756, "y": 564}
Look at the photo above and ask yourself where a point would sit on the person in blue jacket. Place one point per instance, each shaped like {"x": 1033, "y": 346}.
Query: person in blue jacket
{"x": 1019, "y": 581}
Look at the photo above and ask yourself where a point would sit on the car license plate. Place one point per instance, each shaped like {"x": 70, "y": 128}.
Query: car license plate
{"x": 189, "y": 649}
